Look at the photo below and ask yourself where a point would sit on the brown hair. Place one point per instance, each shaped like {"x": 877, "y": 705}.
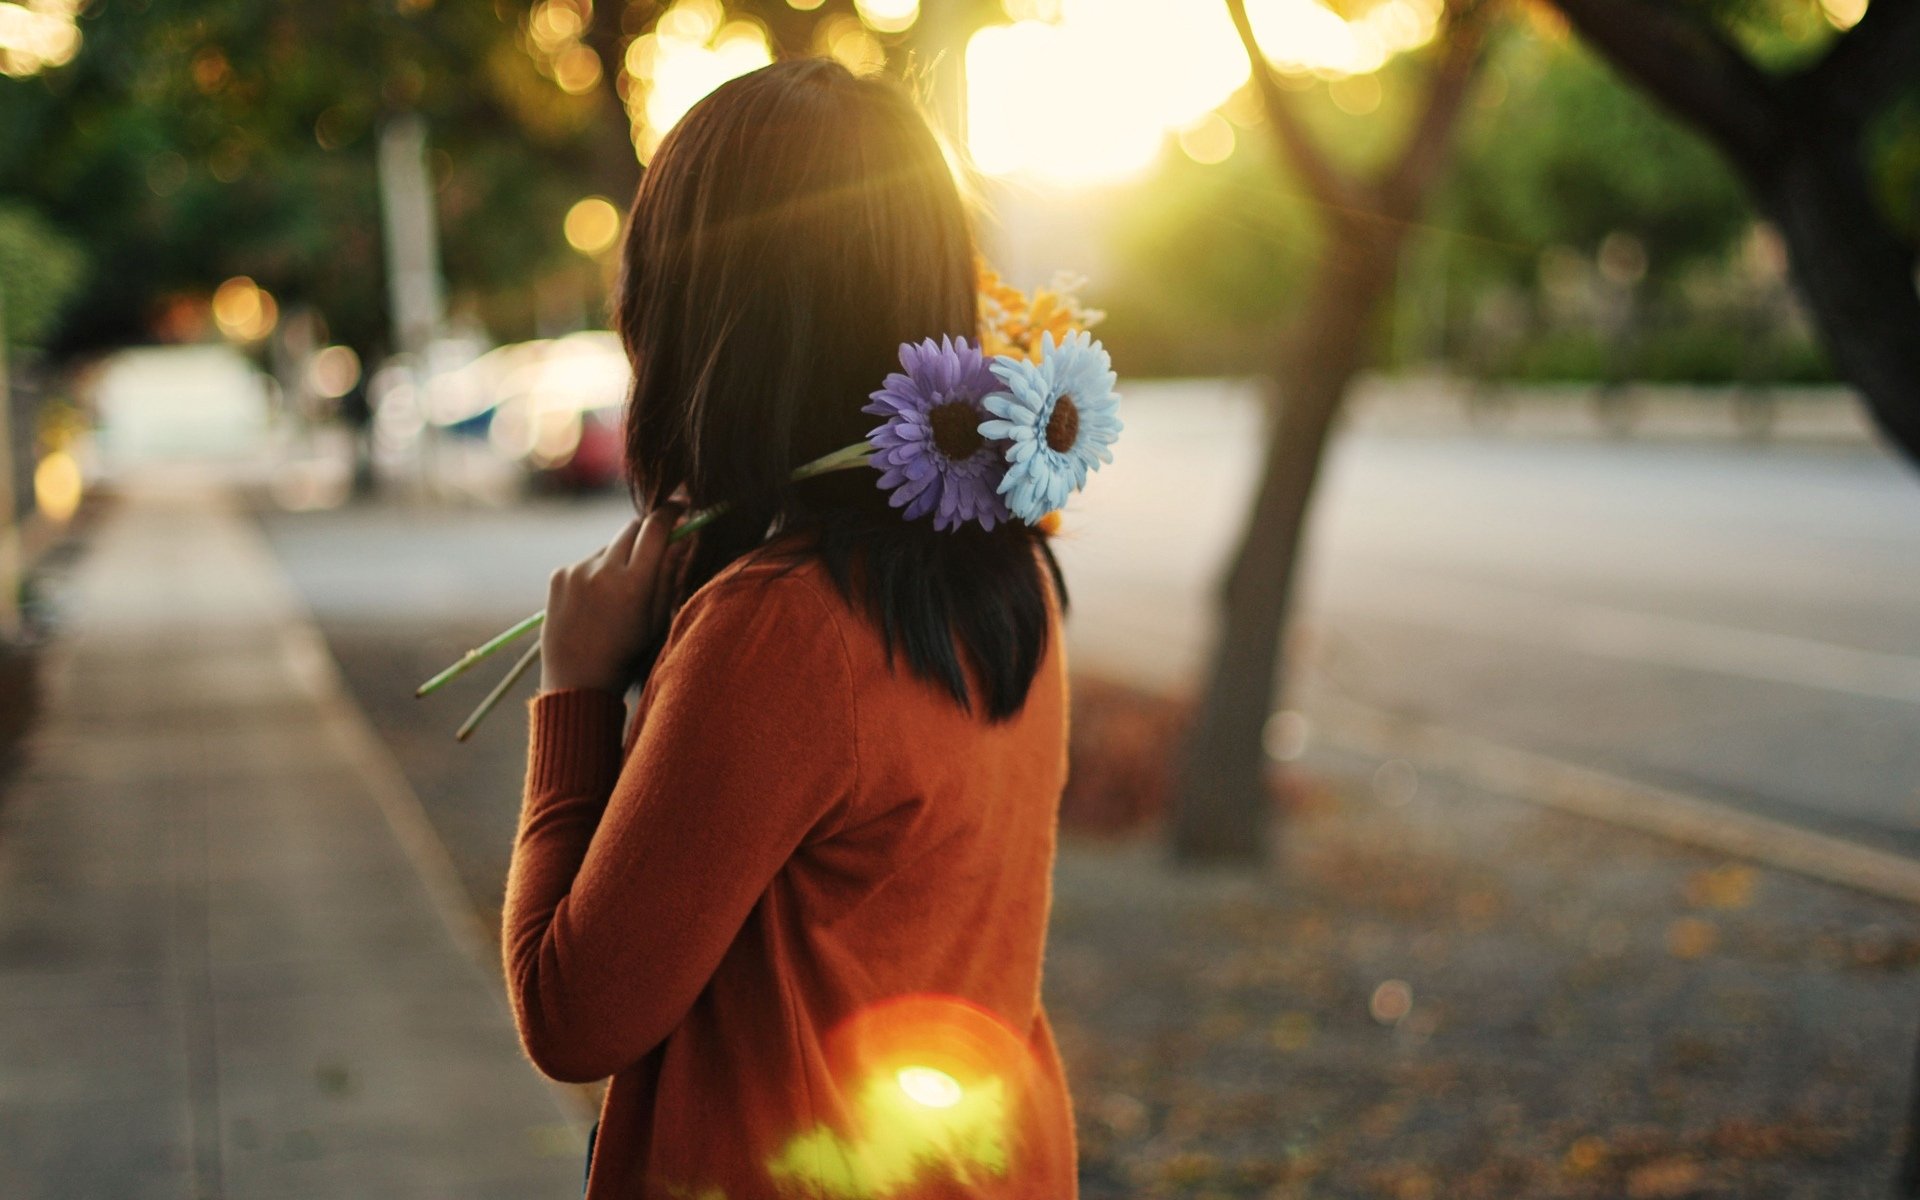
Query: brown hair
{"x": 792, "y": 231}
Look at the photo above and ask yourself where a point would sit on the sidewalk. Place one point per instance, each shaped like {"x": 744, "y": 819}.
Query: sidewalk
{"x": 224, "y": 970}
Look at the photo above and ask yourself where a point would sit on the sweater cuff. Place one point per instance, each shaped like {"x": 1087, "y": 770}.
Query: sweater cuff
{"x": 574, "y": 743}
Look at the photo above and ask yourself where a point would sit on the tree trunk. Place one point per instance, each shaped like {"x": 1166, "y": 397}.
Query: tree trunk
{"x": 1223, "y": 812}
{"x": 1853, "y": 271}
{"x": 1797, "y": 139}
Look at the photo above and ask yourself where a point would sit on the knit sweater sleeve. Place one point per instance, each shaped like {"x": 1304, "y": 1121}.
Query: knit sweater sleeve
{"x": 629, "y": 882}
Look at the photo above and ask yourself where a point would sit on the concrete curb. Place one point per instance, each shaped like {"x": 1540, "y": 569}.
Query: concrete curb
{"x": 1583, "y": 791}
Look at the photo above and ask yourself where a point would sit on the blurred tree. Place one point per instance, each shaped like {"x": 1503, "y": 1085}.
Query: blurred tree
{"x": 1555, "y": 153}
{"x": 1798, "y": 136}
{"x": 1211, "y": 259}
{"x": 1591, "y": 158}
{"x": 199, "y": 139}
{"x": 39, "y": 274}
{"x": 1222, "y": 809}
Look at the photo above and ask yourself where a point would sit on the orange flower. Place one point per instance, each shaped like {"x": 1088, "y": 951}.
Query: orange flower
{"x": 1013, "y": 324}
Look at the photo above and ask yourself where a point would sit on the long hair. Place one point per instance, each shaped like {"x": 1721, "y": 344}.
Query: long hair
{"x": 792, "y": 231}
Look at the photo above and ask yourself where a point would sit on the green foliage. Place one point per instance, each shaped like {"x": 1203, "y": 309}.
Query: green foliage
{"x": 1211, "y": 258}
{"x": 198, "y": 139}
{"x": 1553, "y": 151}
{"x": 1779, "y": 35}
{"x": 1893, "y": 155}
{"x": 40, "y": 271}
{"x": 1701, "y": 352}
{"x": 1569, "y": 154}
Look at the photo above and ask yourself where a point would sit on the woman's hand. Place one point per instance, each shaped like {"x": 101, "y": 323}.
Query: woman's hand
{"x": 603, "y": 610}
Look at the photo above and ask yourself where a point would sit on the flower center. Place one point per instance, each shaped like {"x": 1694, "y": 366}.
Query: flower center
{"x": 1063, "y": 426}
{"x": 956, "y": 429}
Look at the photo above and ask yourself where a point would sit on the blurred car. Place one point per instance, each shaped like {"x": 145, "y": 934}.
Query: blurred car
{"x": 549, "y": 410}
{"x": 558, "y": 409}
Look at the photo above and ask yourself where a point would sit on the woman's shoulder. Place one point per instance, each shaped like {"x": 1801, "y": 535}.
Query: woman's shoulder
{"x": 783, "y": 606}
{"x": 768, "y": 581}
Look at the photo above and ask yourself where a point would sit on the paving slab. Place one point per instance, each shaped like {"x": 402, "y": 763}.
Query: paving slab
{"x": 229, "y": 966}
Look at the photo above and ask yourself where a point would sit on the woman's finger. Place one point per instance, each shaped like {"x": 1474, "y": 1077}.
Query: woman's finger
{"x": 650, "y": 545}
{"x": 620, "y": 550}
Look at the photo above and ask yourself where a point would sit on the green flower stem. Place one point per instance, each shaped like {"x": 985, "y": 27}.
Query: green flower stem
{"x": 498, "y": 693}
{"x": 856, "y": 455}
{"x": 480, "y": 653}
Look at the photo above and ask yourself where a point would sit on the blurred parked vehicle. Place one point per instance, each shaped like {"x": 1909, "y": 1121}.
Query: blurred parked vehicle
{"x": 552, "y": 408}
{"x": 559, "y": 408}
{"x": 199, "y": 403}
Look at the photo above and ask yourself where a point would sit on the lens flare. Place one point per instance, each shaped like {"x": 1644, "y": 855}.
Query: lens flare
{"x": 937, "y": 1085}
{"x": 929, "y": 1086}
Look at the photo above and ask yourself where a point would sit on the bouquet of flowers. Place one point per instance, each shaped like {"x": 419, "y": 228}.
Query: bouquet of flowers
{"x": 1002, "y": 429}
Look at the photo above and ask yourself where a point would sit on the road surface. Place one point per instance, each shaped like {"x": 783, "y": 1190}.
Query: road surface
{"x": 1739, "y": 622}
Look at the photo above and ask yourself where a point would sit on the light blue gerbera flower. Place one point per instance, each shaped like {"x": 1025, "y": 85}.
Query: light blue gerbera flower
{"x": 1058, "y": 416}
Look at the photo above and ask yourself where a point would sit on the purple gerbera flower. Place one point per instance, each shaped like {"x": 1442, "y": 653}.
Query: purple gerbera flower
{"x": 930, "y": 452}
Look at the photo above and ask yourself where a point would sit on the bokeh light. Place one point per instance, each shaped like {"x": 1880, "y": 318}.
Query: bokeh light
{"x": 244, "y": 311}
{"x": 554, "y": 34}
{"x": 1307, "y": 37}
{"x": 1356, "y": 95}
{"x": 1843, "y": 14}
{"x": 888, "y": 16}
{"x": 1391, "y": 1002}
{"x": 36, "y": 35}
{"x": 848, "y": 42}
{"x": 592, "y": 225}
{"x": 332, "y": 372}
{"x": 577, "y": 70}
{"x": 1209, "y": 140}
{"x": 57, "y": 486}
{"x": 690, "y": 51}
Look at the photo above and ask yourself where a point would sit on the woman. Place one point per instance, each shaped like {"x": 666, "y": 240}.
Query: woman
{"x": 797, "y": 912}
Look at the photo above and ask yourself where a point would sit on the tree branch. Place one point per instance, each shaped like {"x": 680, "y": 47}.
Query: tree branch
{"x": 1403, "y": 186}
{"x": 1689, "y": 67}
{"x": 1869, "y": 63}
{"x": 1324, "y": 181}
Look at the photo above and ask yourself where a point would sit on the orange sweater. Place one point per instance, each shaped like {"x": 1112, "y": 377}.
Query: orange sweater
{"x": 801, "y": 923}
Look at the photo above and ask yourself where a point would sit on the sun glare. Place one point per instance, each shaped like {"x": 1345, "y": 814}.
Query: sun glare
{"x": 1083, "y": 60}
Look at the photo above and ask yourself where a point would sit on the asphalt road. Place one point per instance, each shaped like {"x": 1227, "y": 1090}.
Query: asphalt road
{"x": 1739, "y": 622}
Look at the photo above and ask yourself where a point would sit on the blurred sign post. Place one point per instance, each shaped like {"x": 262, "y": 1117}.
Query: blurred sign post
{"x": 413, "y": 236}
{"x": 9, "y": 516}
{"x": 413, "y": 246}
